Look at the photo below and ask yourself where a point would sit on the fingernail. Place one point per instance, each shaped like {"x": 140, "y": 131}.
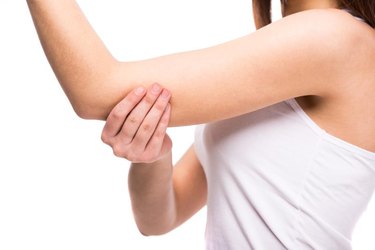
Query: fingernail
{"x": 165, "y": 94}
{"x": 155, "y": 88}
{"x": 139, "y": 90}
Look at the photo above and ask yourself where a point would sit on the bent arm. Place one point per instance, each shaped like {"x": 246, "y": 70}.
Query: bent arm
{"x": 286, "y": 59}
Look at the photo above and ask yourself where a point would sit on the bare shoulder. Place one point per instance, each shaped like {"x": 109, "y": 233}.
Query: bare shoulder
{"x": 316, "y": 42}
{"x": 330, "y": 37}
{"x": 333, "y": 27}
{"x": 343, "y": 36}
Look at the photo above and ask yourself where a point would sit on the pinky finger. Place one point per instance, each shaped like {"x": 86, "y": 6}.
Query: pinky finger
{"x": 157, "y": 140}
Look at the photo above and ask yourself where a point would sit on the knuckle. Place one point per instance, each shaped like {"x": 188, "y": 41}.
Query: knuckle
{"x": 149, "y": 100}
{"x": 133, "y": 120}
{"x": 117, "y": 115}
{"x": 104, "y": 138}
{"x": 146, "y": 127}
{"x": 133, "y": 98}
{"x": 159, "y": 107}
{"x": 118, "y": 151}
{"x": 127, "y": 138}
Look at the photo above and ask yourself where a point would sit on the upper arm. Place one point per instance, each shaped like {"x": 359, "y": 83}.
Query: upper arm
{"x": 190, "y": 186}
{"x": 296, "y": 56}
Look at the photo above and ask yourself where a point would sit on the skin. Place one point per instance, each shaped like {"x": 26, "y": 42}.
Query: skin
{"x": 95, "y": 82}
{"x": 320, "y": 57}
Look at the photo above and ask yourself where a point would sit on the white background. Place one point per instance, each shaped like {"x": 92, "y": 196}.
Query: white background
{"x": 60, "y": 186}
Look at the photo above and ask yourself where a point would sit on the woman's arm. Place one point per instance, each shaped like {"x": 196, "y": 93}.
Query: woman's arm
{"x": 299, "y": 55}
{"x": 163, "y": 196}
{"x": 81, "y": 62}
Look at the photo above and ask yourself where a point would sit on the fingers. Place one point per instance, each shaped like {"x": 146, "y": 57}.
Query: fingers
{"x": 117, "y": 116}
{"x": 136, "y": 127}
{"x": 158, "y": 139}
{"x": 138, "y": 114}
{"x": 151, "y": 122}
{"x": 159, "y": 144}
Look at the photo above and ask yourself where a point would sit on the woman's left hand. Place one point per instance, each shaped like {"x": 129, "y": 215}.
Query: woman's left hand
{"x": 136, "y": 127}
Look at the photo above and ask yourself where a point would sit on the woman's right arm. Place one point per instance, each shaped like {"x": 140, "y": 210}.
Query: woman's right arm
{"x": 163, "y": 196}
{"x": 296, "y": 56}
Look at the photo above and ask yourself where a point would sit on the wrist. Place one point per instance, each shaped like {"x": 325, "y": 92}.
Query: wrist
{"x": 158, "y": 173}
{"x": 162, "y": 162}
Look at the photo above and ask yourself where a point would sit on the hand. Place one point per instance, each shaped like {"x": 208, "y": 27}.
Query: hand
{"x": 136, "y": 127}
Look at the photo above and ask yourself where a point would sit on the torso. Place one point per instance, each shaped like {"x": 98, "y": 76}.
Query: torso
{"x": 350, "y": 113}
{"x": 278, "y": 157}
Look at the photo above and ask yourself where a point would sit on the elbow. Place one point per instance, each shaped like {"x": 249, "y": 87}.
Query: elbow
{"x": 94, "y": 96}
{"x": 90, "y": 110}
{"x": 93, "y": 104}
{"x": 85, "y": 114}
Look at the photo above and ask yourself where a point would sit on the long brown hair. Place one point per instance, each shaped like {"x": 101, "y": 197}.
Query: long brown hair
{"x": 364, "y": 9}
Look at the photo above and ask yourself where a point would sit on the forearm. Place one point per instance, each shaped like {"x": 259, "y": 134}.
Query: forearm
{"x": 80, "y": 60}
{"x": 152, "y": 196}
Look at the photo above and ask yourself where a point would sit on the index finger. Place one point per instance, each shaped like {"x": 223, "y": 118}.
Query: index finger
{"x": 119, "y": 113}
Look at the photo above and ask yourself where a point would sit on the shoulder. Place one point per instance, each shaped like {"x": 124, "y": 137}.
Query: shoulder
{"x": 312, "y": 46}
{"x": 334, "y": 29}
{"x": 323, "y": 36}
{"x": 334, "y": 36}
{"x": 318, "y": 34}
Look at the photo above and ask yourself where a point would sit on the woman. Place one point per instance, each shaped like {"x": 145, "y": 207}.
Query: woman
{"x": 287, "y": 160}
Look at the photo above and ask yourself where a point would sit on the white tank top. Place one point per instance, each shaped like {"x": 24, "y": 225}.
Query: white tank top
{"x": 276, "y": 180}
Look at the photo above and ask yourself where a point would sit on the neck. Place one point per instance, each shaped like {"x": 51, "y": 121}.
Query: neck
{"x": 294, "y": 6}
